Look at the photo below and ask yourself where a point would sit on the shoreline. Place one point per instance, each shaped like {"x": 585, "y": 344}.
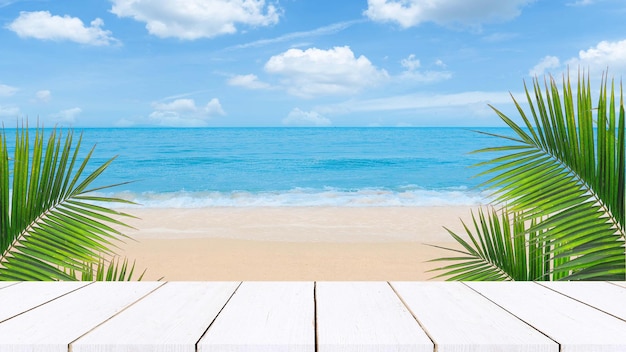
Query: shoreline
{"x": 290, "y": 243}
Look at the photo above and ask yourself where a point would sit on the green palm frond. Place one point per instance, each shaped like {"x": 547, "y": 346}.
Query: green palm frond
{"x": 497, "y": 250}
{"x": 50, "y": 223}
{"x": 114, "y": 270}
{"x": 564, "y": 171}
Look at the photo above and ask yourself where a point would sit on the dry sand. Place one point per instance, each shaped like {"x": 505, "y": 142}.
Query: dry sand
{"x": 291, "y": 243}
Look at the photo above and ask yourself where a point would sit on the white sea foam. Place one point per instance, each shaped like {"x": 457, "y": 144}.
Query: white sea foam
{"x": 299, "y": 197}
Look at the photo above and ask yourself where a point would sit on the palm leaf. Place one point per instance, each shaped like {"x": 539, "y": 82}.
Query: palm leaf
{"x": 103, "y": 270}
{"x": 497, "y": 250}
{"x": 49, "y": 223}
{"x": 565, "y": 174}
{"x": 573, "y": 179}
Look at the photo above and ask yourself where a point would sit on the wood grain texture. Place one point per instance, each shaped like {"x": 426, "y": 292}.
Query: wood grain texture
{"x": 604, "y": 296}
{"x": 294, "y": 316}
{"x": 19, "y": 298}
{"x": 365, "y": 316}
{"x": 460, "y": 320}
{"x": 53, "y": 326}
{"x": 574, "y": 325}
{"x": 265, "y": 316}
{"x": 170, "y": 319}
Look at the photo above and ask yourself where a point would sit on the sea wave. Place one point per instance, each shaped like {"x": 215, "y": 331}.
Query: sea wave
{"x": 301, "y": 197}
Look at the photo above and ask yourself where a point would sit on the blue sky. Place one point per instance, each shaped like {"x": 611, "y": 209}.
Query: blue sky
{"x": 292, "y": 62}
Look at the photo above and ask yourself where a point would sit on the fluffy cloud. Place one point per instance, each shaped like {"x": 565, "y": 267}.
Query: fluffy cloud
{"x": 411, "y": 63}
{"x": 43, "y": 96}
{"x": 184, "y": 112}
{"x": 248, "y": 81}
{"x": 546, "y": 64}
{"x": 409, "y": 13}
{"x": 597, "y": 59}
{"x": 68, "y": 115}
{"x": 605, "y": 54}
{"x": 306, "y": 118}
{"x": 315, "y": 72}
{"x": 193, "y": 19}
{"x": 7, "y": 91}
{"x": 413, "y": 73}
{"x": 43, "y": 25}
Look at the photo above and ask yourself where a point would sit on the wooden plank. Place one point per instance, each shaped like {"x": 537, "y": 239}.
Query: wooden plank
{"x": 4, "y": 284}
{"x": 17, "y": 299}
{"x": 53, "y": 326}
{"x": 364, "y": 317}
{"x": 574, "y": 325}
{"x": 619, "y": 283}
{"x": 458, "y": 319}
{"x": 604, "y": 296}
{"x": 172, "y": 318}
{"x": 265, "y": 316}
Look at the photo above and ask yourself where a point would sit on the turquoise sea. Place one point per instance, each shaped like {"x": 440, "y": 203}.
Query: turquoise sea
{"x": 205, "y": 167}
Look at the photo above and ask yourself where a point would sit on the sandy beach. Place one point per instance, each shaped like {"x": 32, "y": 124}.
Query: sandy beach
{"x": 290, "y": 243}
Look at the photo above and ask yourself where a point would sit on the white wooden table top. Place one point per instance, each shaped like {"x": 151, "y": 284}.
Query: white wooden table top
{"x": 312, "y": 316}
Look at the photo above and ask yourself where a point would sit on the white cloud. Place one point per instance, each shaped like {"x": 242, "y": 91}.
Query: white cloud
{"x": 412, "y": 72}
{"x": 68, "y": 115}
{"x": 314, "y": 72}
{"x": 248, "y": 81}
{"x": 546, "y": 64}
{"x": 411, "y": 63}
{"x": 7, "y": 91}
{"x": 179, "y": 105}
{"x": 43, "y": 96}
{"x": 409, "y": 13}
{"x": 184, "y": 112}
{"x": 43, "y": 25}
{"x": 597, "y": 59}
{"x": 611, "y": 55}
{"x": 325, "y": 30}
{"x": 214, "y": 108}
{"x": 469, "y": 108}
{"x": 194, "y": 19}
{"x": 306, "y": 118}
{"x": 9, "y": 111}
{"x": 419, "y": 101}
{"x": 4, "y": 3}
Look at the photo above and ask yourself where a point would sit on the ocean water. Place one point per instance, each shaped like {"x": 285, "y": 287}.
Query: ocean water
{"x": 206, "y": 167}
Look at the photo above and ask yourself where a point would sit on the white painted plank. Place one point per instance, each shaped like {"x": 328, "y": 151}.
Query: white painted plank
{"x": 4, "y": 284}
{"x": 574, "y": 325}
{"x": 364, "y": 317}
{"x": 53, "y": 326}
{"x": 460, "y": 320}
{"x": 619, "y": 283}
{"x": 170, "y": 319}
{"x": 19, "y": 298}
{"x": 265, "y": 316}
{"x": 601, "y": 295}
